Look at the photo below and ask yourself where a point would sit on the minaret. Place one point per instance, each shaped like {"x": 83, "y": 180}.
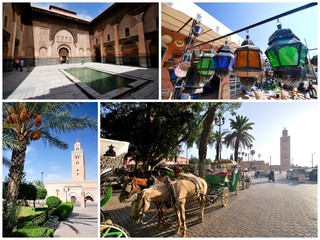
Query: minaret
{"x": 285, "y": 158}
{"x": 78, "y": 163}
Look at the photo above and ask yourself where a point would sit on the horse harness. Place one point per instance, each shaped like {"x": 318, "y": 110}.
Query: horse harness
{"x": 176, "y": 201}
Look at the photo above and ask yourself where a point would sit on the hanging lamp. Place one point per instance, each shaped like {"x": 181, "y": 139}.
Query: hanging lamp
{"x": 287, "y": 56}
{"x": 223, "y": 60}
{"x": 248, "y": 63}
{"x": 206, "y": 65}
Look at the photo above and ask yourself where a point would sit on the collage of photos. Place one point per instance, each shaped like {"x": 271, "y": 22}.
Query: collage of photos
{"x": 159, "y": 119}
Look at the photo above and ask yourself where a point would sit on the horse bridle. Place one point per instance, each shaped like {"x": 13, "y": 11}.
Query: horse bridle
{"x": 130, "y": 187}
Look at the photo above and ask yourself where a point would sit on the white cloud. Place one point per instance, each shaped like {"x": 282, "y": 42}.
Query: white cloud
{"x": 84, "y": 16}
{"x": 55, "y": 167}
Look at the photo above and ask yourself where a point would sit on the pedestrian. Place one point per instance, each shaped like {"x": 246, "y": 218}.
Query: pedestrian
{"x": 67, "y": 60}
{"x": 258, "y": 173}
{"x": 21, "y": 64}
{"x": 17, "y": 63}
{"x": 82, "y": 61}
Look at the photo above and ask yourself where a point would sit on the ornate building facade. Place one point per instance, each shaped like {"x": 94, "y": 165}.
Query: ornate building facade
{"x": 79, "y": 190}
{"x": 124, "y": 34}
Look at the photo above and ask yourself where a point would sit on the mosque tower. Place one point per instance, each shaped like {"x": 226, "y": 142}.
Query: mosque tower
{"x": 78, "y": 163}
{"x": 285, "y": 158}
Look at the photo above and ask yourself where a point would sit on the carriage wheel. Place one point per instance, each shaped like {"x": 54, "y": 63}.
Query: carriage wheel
{"x": 102, "y": 216}
{"x": 225, "y": 197}
{"x": 113, "y": 230}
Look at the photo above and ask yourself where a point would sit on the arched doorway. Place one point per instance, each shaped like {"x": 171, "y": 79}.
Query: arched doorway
{"x": 98, "y": 55}
{"x": 89, "y": 198}
{"x": 73, "y": 200}
{"x": 64, "y": 55}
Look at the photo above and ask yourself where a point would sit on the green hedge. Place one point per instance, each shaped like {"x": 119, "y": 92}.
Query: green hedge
{"x": 53, "y": 201}
{"x": 63, "y": 210}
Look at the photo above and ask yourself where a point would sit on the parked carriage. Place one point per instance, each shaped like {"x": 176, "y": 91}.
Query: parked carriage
{"x": 224, "y": 181}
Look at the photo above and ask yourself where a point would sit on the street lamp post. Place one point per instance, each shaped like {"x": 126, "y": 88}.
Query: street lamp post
{"x": 42, "y": 178}
{"x": 66, "y": 190}
{"x": 219, "y": 121}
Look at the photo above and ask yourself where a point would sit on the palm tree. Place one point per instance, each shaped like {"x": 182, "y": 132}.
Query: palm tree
{"x": 29, "y": 121}
{"x": 252, "y": 153}
{"x": 238, "y": 136}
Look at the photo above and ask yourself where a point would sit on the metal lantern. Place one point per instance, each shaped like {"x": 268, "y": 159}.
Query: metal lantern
{"x": 193, "y": 80}
{"x": 197, "y": 30}
{"x": 287, "y": 56}
{"x": 206, "y": 64}
{"x": 223, "y": 60}
{"x": 248, "y": 63}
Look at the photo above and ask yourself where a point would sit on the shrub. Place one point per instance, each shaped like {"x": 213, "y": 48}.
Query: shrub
{"x": 53, "y": 202}
{"x": 63, "y": 210}
{"x": 10, "y": 219}
{"x": 31, "y": 231}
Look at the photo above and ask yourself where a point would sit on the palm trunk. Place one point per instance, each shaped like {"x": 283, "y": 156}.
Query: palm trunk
{"x": 236, "y": 149}
{"x": 207, "y": 125}
{"x": 15, "y": 177}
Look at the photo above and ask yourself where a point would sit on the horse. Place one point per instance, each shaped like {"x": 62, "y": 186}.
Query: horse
{"x": 180, "y": 191}
{"x": 134, "y": 185}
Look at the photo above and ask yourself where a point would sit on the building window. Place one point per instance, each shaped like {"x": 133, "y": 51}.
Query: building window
{"x": 108, "y": 37}
{"x": 97, "y": 41}
{"x": 127, "y": 31}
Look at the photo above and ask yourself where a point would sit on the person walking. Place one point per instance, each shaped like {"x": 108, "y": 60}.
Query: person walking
{"x": 21, "y": 64}
{"x": 17, "y": 63}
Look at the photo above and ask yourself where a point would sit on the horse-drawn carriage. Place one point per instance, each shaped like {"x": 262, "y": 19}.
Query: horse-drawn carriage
{"x": 223, "y": 180}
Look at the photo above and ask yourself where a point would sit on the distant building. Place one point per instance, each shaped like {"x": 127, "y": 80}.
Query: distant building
{"x": 285, "y": 157}
{"x": 78, "y": 190}
{"x": 123, "y": 34}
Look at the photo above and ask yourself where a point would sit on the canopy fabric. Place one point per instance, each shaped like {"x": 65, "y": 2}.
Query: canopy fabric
{"x": 119, "y": 147}
{"x": 178, "y": 15}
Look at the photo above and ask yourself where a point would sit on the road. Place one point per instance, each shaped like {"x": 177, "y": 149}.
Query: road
{"x": 285, "y": 208}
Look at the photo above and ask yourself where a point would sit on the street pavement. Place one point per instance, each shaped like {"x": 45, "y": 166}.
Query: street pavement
{"x": 82, "y": 222}
{"x": 285, "y": 208}
{"x": 51, "y": 82}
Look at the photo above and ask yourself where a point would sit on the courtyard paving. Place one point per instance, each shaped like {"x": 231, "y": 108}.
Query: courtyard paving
{"x": 284, "y": 209}
{"x": 49, "y": 82}
{"x": 82, "y": 222}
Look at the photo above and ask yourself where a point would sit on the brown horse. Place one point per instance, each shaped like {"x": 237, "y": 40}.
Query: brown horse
{"x": 134, "y": 185}
{"x": 182, "y": 190}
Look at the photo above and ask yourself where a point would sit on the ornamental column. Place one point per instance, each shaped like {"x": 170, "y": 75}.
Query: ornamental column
{"x": 103, "y": 51}
{"x": 143, "y": 58}
{"x": 117, "y": 47}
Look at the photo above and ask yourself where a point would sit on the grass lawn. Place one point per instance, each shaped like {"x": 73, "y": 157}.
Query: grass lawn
{"x": 27, "y": 213}
{"x": 30, "y": 211}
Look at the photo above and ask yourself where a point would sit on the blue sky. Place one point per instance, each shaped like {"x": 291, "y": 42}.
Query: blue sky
{"x": 56, "y": 163}
{"x": 301, "y": 119}
{"x": 239, "y": 15}
{"x": 86, "y": 10}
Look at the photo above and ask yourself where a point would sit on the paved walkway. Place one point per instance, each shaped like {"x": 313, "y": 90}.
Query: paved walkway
{"x": 51, "y": 82}
{"x": 82, "y": 222}
{"x": 282, "y": 209}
